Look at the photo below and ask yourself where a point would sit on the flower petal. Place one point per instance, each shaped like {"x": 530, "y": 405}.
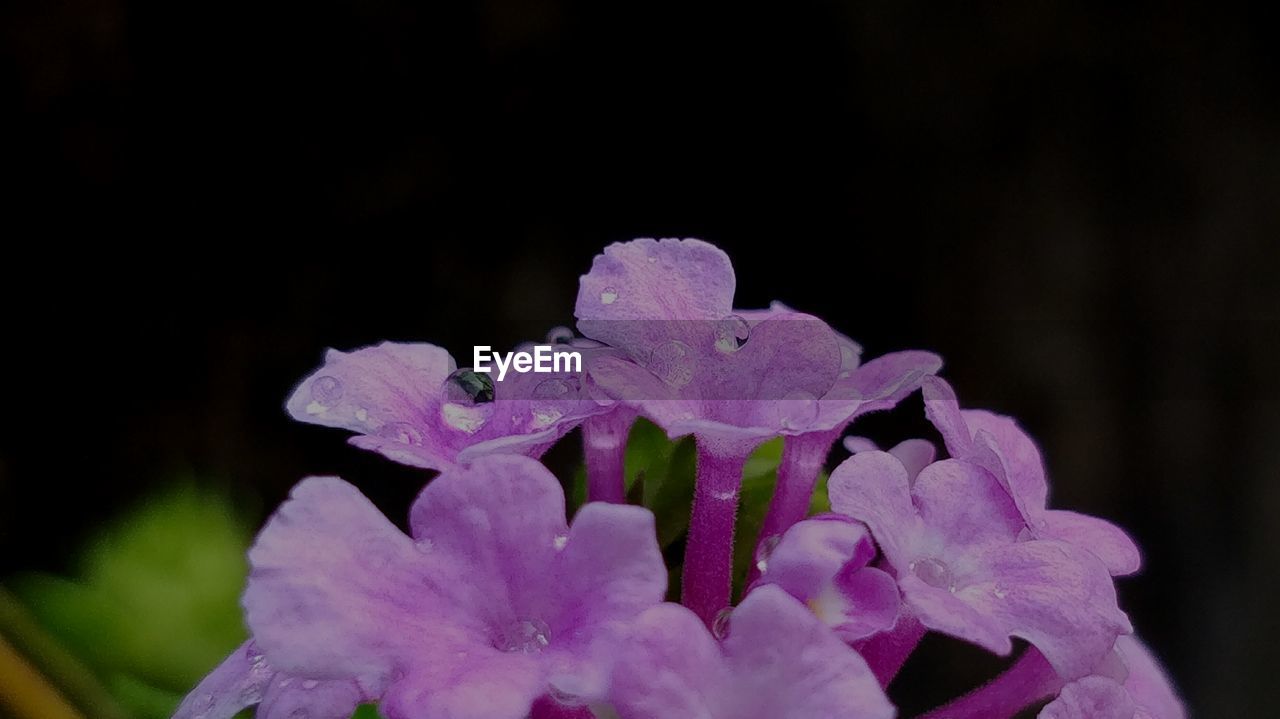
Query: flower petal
{"x": 1017, "y": 458}
{"x": 479, "y": 685}
{"x": 294, "y": 698}
{"x": 873, "y": 488}
{"x": 784, "y": 663}
{"x": 611, "y": 565}
{"x": 336, "y": 591}
{"x": 1148, "y": 683}
{"x": 385, "y": 391}
{"x": 812, "y": 552}
{"x": 498, "y": 522}
{"x": 1090, "y": 698}
{"x": 633, "y": 287}
{"x": 965, "y": 504}
{"x": 238, "y": 682}
{"x": 943, "y": 410}
{"x": 671, "y": 667}
{"x": 1109, "y": 542}
{"x": 1056, "y": 596}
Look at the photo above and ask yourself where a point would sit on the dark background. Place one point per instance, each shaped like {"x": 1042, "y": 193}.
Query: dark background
{"x": 1076, "y": 205}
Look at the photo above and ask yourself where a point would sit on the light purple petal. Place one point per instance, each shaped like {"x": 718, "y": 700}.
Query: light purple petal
{"x": 879, "y": 384}
{"x": 1018, "y": 463}
{"x": 943, "y": 410}
{"x": 390, "y": 392}
{"x": 479, "y": 685}
{"x": 965, "y": 504}
{"x": 867, "y": 600}
{"x": 610, "y": 568}
{"x": 1056, "y": 596}
{"x": 336, "y": 591}
{"x": 1090, "y": 698}
{"x": 296, "y": 698}
{"x": 498, "y": 521}
{"x": 634, "y": 286}
{"x": 784, "y": 663}
{"x": 812, "y": 552}
{"x": 940, "y": 609}
{"x": 1110, "y": 543}
{"x": 238, "y": 682}
{"x": 671, "y": 667}
{"x": 1148, "y": 683}
{"x": 915, "y": 454}
{"x": 873, "y": 488}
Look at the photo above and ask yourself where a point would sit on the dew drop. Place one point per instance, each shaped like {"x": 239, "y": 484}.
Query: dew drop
{"x": 326, "y": 390}
{"x": 731, "y": 333}
{"x": 401, "y": 432}
{"x": 310, "y": 684}
{"x": 527, "y": 636}
{"x": 933, "y": 572}
{"x": 468, "y": 387}
{"x": 559, "y": 336}
{"x": 720, "y": 625}
{"x": 672, "y": 362}
{"x": 765, "y": 550}
{"x": 608, "y": 296}
{"x": 560, "y": 541}
{"x": 556, "y": 389}
{"x": 797, "y": 410}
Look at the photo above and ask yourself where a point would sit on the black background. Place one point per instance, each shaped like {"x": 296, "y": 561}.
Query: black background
{"x": 1076, "y": 204}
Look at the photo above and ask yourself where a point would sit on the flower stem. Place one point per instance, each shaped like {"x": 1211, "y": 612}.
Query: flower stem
{"x": 886, "y": 653}
{"x": 802, "y": 458}
{"x": 604, "y": 440}
{"x": 708, "y": 555}
{"x": 547, "y": 708}
{"x": 1028, "y": 680}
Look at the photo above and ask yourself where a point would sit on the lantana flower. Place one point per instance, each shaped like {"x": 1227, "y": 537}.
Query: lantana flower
{"x": 952, "y": 539}
{"x": 411, "y": 403}
{"x": 492, "y": 603}
{"x": 694, "y": 365}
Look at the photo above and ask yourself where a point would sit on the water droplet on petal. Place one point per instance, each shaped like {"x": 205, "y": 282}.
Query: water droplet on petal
{"x": 560, "y": 541}
{"x": 468, "y": 387}
{"x": 528, "y": 636}
{"x": 672, "y": 362}
{"x": 933, "y": 572}
{"x": 731, "y": 333}
{"x": 401, "y": 432}
{"x": 765, "y": 550}
{"x": 559, "y": 336}
{"x": 608, "y": 296}
{"x": 310, "y": 684}
{"x": 326, "y": 390}
{"x": 720, "y": 625}
{"x": 797, "y": 410}
{"x": 556, "y": 389}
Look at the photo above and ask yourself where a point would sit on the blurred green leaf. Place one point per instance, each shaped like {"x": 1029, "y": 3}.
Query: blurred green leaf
{"x": 155, "y": 603}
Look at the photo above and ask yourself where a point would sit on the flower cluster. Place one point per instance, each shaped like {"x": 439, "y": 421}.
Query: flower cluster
{"x": 495, "y": 606}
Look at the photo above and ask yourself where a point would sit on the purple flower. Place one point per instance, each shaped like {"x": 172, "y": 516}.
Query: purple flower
{"x": 777, "y": 662}
{"x": 952, "y": 539}
{"x": 915, "y": 454}
{"x": 998, "y": 445}
{"x": 823, "y": 563}
{"x": 1144, "y": 693}
{"x": 694, "y": 365}
{"x": 244, "y": 679}
{"x": 411, "y": 403}
{"x": 493, "y": 603}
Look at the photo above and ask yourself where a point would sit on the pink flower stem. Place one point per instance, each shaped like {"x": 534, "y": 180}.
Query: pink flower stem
{"x": 604, "y": 440}
{"x": 802, "y": 458}
{"x": 886, "y": 653}
{"x": 548, "y": 708}
{"x": 708, "y": 555}
{"x": 1027, "y": 681}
